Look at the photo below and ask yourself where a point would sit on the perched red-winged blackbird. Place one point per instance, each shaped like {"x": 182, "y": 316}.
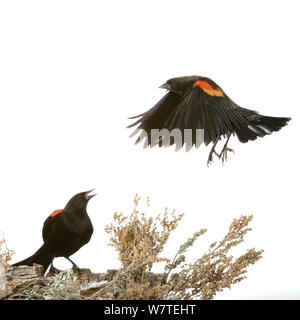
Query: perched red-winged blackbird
{"x": 64, "y": 232}
{"x": 199, "y": 103}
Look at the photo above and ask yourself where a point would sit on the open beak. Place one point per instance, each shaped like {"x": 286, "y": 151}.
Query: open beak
{"x": 89, "y": 196}
{"x": 165, "y": 86}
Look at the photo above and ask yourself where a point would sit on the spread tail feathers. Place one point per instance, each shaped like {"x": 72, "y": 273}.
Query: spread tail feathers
{"x": 42, "y": 257}
{"x": 260, "y": 126}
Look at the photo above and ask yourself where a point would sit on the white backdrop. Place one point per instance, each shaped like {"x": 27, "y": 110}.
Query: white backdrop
{"x": 71, "y": 72}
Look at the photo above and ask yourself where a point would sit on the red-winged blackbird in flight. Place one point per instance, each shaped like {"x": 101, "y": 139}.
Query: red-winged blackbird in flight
{"x": 199, "y": 103}
{"x": 64, "y": 232}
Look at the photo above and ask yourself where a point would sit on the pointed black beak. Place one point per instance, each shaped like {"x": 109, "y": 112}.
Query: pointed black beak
{"x": 89, "y": 196}
{"x": 165, "y": 86}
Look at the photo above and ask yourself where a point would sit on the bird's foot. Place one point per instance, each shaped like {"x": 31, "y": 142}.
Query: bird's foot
{"x": 76, "y": 270}
{"x": 223, "y": 154}
{"x": 210, "y": 157}
{"x": 53, "y": 271}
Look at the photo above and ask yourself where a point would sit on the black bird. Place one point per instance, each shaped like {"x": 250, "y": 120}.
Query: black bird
{"x": 197, "y": 102}
{"x": 64, "y": 232}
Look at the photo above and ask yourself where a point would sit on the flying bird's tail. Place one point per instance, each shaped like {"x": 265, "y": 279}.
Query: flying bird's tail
{"x": 42, "y": 257}
{"x": 260, "y": 126}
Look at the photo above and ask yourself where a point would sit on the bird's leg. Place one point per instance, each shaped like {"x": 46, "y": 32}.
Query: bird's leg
{"x": 73, "y": 264}
{"x": 52, "y": 269}
{"x": 212, "y": 151}
{"x": 223, "y": 154}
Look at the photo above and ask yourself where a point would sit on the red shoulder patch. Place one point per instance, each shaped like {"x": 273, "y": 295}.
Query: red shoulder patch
{"x": 54, "y": 213}
{"x": 206, "y": 87}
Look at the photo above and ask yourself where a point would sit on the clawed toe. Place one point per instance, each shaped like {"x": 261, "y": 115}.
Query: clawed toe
{"x": 210, "y": 157}
{"x": 222, "y": 155}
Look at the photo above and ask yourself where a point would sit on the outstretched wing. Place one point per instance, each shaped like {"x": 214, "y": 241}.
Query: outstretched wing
{"x": 157, "y": 116}
{"x": 202, "y": 108}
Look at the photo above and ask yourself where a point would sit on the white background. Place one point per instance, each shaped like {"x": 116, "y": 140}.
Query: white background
{"x": 71, "y": 72}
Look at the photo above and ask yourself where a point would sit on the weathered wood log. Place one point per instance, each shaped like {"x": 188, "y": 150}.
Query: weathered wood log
{"x": 27, "y": 282}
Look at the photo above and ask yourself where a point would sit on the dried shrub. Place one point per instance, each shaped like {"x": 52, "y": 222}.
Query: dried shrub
{"x": 139, "y": 242}
{"x": 215, "y": 270}
{"x": 5, "y": 253}
{"x": 5, "y": 257}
